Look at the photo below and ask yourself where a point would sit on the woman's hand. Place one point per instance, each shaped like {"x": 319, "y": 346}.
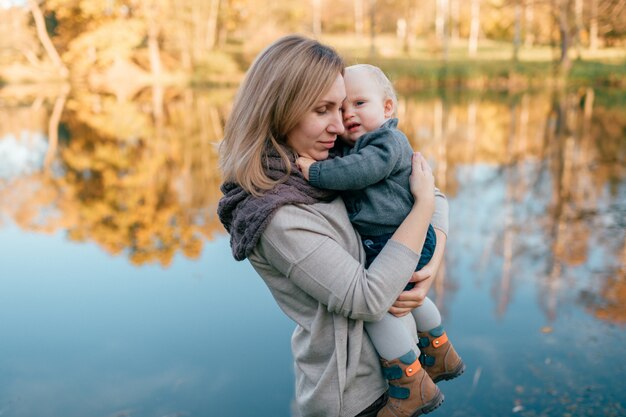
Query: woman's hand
{"x": 422, "y": 181}
{"x": 304, "y": 163}
{"x": 413, "y": 298}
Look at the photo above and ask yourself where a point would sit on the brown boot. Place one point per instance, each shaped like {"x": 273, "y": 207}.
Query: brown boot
{"x": 438, "y": 356}
{"x": 411, "y": 391}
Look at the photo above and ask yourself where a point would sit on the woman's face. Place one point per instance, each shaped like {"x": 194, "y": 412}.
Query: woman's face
{"x": 317, "y": 131}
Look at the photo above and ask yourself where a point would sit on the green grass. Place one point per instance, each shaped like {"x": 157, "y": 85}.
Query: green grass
{"x": 609, "y": 74}
{"x": 492, "y": 67}
{"x": 409, "y": 73}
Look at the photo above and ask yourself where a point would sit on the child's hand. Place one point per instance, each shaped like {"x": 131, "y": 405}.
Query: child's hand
{"x": 422, "y": 182}
{"x": 304, "y": 164}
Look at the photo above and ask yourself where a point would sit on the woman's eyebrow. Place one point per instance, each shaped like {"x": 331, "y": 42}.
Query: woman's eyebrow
{"x": 330, "y": 102}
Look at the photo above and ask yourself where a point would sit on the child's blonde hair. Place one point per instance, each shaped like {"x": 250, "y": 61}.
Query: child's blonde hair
{"x": 381, "y": 79}
{"x": 284, "y": 82}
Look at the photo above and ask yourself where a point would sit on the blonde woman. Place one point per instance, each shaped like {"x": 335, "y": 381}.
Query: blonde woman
{"x": 299, "y": 238}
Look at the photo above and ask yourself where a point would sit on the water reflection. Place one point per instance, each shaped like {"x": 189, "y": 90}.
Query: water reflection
{"x": 537, "y": 188}
{"x": 118, "y": 176}
{"x": 556, "y": 157}
{"x": 140, "y": 177}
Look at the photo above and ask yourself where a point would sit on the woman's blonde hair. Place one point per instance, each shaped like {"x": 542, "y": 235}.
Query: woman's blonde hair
{"x": 285, "y": 81}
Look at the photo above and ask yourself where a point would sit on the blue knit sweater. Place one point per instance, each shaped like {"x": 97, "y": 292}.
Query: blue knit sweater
{"x": 373, "y": 177}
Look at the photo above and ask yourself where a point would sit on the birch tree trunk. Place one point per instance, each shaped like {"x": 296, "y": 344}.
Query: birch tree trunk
{"x": 517, "y": 33}
{"x": 561, "y": 10}
{"x": 317, "y": 17}
{"x": 372, "y": 27}
{"x": 211, "y": 35}
{"x": 455, "y": 19}
{"x": 472, "y": 45}
{"x": 578, "y": 10}
{"x": 439, "y": 20}
{"x": 443, "y": 14}
{"x": 411, "y": 26}
{"x": 42, "y": 34}
{"x": 529, "y": 19}
{"x": 358, "y": 18}
{"x": 593, "y": 26}
{"x": 196, "y": 37}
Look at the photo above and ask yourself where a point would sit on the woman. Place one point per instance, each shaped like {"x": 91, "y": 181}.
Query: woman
{"x": 299, "y": 238}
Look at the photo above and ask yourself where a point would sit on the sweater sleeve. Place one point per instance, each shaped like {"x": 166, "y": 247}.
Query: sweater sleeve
{"x": 440, "y": 218}
{"x": 298, "y": 244}
{"x": 372, "y": 162}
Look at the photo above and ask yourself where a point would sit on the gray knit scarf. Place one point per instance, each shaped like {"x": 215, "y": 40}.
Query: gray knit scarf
{"x": 245, "y": 216}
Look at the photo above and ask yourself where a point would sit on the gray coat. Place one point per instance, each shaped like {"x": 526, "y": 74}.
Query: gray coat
{"x": 312, "y": 259}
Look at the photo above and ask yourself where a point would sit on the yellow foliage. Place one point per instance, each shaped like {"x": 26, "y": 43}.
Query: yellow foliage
{"x": 100, "y": 46}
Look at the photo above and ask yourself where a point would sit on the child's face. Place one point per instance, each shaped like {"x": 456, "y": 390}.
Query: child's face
{"x": 365, "y": 108}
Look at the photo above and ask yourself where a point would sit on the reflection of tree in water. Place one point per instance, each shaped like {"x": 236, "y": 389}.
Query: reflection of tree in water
{"x": 28, "y": 195}
{"x": 581, "y": 179}
{"x": 609, "y": 303}
{"x": 149, "y": 193}
{"x": 128, "y": 183}
{"x": 561, "y": 154}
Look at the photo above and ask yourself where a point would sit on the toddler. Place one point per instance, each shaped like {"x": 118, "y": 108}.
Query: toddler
{"x": 371, "y": 167}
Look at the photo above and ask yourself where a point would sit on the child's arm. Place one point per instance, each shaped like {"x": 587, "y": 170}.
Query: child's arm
{"x": 368, "y": 165}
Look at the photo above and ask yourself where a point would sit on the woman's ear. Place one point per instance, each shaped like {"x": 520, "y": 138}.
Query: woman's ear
{"x": 389, "y": 108}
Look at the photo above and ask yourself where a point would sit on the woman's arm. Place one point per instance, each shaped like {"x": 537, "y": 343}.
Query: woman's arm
{"x": 299, "y": 244}
{"x": 319, "y": 258}
{"x": 440, "y": 217}
{"x": 423, "y": 279}
{"x": 413, "y": 229}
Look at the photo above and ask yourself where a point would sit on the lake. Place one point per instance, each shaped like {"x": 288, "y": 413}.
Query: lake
{"x": 119, "y": 295}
